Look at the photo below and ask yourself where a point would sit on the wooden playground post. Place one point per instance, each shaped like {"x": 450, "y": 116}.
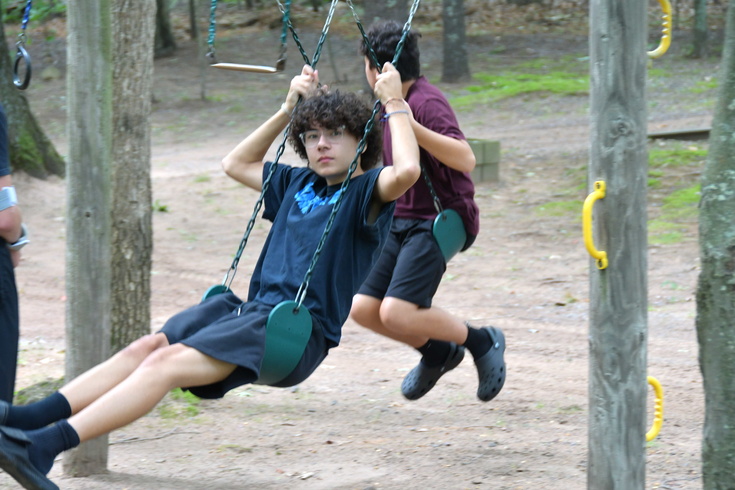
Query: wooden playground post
{"x": 618, "y": 293}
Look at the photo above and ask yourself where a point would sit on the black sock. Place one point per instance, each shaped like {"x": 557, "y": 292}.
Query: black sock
{"x": 435, "y": 352}
{"x": 36, "y": 415}
{"x": 49, "y": 442}
{"x": 478, "y": 341}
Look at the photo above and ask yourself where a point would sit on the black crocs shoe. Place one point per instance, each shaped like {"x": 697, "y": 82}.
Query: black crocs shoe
{"x": 15, "y": 461}
{"x": 491, "y": 367}
{"x": 422, "y": 379}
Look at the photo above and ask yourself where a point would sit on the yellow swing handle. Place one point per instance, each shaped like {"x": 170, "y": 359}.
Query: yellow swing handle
{"x": 665, "y": 31}
{"x": 599, "y": 193}
{"x": 658, "y": 415}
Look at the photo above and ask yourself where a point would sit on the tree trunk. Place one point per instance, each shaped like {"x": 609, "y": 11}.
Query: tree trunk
{"x": 89, "y": 96}
{"x": 165, "y": 40}
{"x": 716, "y": 287}
{"x": 384, "y": 10}
{"x": 30, "y": 150}
{"x": 133, "y": 29}
{"x": 700, "y": 47}
{"x": 618, "y": 293}
{"x": 456, "y": 68}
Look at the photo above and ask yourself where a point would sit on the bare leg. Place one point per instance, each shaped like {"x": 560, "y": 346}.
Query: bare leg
{"x": 90, "y": 385}
{"x": 406, "y": 322}
{"x": 167, "y": 368}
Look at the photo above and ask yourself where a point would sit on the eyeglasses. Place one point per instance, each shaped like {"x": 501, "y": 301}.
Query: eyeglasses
{"x": 311, "y": 138}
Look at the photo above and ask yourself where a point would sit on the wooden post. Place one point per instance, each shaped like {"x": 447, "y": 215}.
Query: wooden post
{"x": 618, "y": 294}
{"x": 88, "y": 270}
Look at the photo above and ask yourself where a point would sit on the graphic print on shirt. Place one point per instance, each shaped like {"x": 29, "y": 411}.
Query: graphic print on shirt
{"x": 307, "y": 199}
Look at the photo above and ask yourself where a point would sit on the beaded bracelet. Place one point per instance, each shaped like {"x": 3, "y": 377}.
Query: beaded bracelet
{"x": 389, "y": 114}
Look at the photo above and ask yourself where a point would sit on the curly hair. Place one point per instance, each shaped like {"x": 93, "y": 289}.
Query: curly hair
{"x": 384, "y": 37}
{"x": 334, "y": 110}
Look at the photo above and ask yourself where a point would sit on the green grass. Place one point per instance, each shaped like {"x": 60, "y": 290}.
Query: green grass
{"x": 560, "y": 208}
{"x": 537, "y": 76}
{"x": 178, "y": 404}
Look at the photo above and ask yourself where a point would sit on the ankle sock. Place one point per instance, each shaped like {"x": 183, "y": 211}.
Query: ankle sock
{"x": 39, "y": 414}
{"x": 434, "y": 352}
{"x": 49, "y": 442}
{"x": 478, "y": 341}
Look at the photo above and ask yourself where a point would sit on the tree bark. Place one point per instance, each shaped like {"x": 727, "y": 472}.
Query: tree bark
{"x": 165, "y": 40}
{"x": 384, "y": 10}
{"x": 456, "y": 68}
{"x": 700, "y": 46}
{"x": 133, "y": 29}
{"x": 618, "y": 294}
{"x": 716, "y": 285}
{"x": 89, "y": 95}
{"x": 30, "y": 149}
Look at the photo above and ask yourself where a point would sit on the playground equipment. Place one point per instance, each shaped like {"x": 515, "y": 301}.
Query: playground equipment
{"x": 665, "y": 31}
{"x": 618, "y": 281}
{"x": 21, "y": 54}
{"x": 289, "y": 324}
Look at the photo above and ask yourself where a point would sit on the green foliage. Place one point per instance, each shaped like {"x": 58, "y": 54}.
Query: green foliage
{"x": 179, "y": 403}
{"x": 41, "y": 10}
{"x": 560, "y": 208}
{"x": 536, "y": 76}
{"x": 676, "y": 156}
{"x": 160, "y": 207}
{"x": 709, "y": 83}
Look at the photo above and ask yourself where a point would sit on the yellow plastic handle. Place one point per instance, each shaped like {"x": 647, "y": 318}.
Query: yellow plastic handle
{"x": 665, "y": 32}
{"x": 599, "y": 193}
{"x": 658, "y": 415}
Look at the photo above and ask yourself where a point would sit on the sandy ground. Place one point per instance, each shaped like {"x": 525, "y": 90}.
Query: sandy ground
{"x": 348, "y": 427}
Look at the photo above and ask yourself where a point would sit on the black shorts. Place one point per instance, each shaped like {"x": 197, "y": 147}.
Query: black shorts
{"x": 226, "y": 328}
{"x": 410, "y": 266}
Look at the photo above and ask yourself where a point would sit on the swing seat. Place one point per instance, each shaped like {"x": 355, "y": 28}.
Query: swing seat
{"x": 280, "y": 66}
{"x": 214, "y": 291}
{"x": 449, "y": 233}
{"x": 287, "y": 332}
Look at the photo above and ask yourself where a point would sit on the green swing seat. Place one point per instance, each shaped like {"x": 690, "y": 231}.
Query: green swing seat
{"x": 287, "y": 332}
{"x": 449, "y": 233}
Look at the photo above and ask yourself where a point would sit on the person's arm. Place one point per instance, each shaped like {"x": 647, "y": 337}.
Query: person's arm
{"x": 396, "y": 179}
{"x": 10, "y": 218}
{"x": 452, "y": 152}
{"x": 10, "y": 222}
{"x": 245, "y": 162}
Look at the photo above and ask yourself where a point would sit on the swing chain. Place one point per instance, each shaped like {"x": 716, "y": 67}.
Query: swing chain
{"x": 301, "y": 295}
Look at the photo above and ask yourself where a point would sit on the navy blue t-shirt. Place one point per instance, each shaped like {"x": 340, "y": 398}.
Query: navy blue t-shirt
{"x": 299, "y": 203}
{"x": 4, "y": 158}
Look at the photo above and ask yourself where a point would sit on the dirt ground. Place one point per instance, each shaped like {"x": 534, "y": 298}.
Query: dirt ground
{"x": 348, "y": 427}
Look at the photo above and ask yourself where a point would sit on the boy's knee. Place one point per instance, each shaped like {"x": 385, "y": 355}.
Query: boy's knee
{"x": 397, "y": 315}
{"x": 145, "y": 345}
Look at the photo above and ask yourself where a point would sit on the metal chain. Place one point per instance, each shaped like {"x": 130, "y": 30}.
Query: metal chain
{"x": 230, "y": 274}
{"x": 301, "y": 295}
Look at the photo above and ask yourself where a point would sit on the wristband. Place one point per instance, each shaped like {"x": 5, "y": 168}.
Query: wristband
{"x": 8, "y": 197}
{"x": 22, "y": 241}
{"x": 285, "y": 110}
{"x": 389, "y": 114}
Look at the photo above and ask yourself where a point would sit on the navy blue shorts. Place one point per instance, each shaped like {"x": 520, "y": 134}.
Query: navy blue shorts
{"x": 228, "y": 329}
{"x": 410, "y": 267}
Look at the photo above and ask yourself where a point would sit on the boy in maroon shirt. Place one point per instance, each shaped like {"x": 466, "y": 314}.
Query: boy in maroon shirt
{"x": 396, "y": 299}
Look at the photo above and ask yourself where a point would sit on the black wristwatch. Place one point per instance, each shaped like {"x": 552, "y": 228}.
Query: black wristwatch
{"x": 22, "y": 241}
